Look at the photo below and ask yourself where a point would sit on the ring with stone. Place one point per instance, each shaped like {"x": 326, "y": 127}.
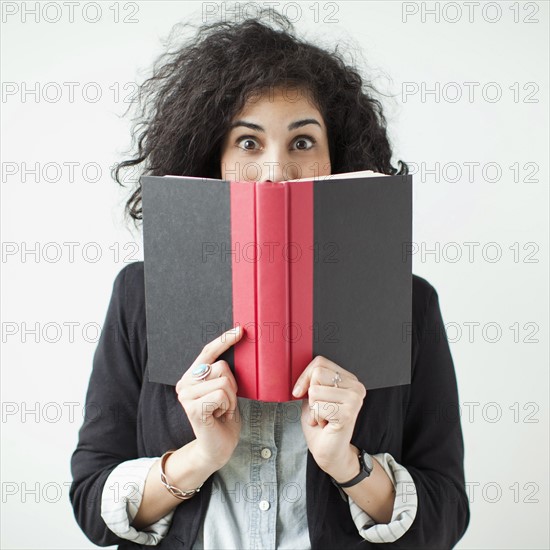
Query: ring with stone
{"x": 336, "y": 379}
{"x": 201, "y": 372}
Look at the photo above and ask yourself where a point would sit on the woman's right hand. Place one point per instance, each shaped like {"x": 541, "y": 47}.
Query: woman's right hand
{"x": 211, "y": 404}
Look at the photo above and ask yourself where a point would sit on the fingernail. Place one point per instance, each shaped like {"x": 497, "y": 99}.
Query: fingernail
{"x": 296, "y": 391}
{"x": 235, "y": 330}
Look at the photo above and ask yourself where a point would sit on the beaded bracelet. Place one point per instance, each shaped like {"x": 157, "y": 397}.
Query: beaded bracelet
{"x": 178, "y": 493}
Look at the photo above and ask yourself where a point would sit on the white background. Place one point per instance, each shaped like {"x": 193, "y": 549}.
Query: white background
{"x": 503, "y": 379}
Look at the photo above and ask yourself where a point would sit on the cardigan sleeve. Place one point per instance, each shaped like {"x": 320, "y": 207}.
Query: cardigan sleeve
{"x": 433, "y": 448}
{"x": 121, "y": 499}
{"x": 107, "y": 436}
{"x": 404, "y": 507}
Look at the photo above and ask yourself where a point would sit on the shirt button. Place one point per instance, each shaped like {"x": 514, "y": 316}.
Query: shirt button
{"x": 266, "y": 453}
{"x": 264, "y": 505}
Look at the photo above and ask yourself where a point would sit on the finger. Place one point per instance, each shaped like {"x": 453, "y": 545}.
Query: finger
{"x": 318, "y": 362}
{"x": 302, "y": 383}
{"x": 218, "y": 369}
{"x": 338, "y": 415}
{"x": 222, "y": 368}
{"x": 198, "y": 390}
{"x": 306, "y": 413}
{"x": 216, "y": 347}
{"x": 326, "y": 411}
{"x": 324, "y": 376}
{"x": 355, "y": 393}
{"x": 207, "y": 405}
{"x": 231, "y": 390}
{"x": 212, "y": 350}
{"x": 222, "y": 403}
{"x": 318, "y": 392}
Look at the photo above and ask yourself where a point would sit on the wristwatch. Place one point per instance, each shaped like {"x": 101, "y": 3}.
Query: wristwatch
{"x": 366, "y": 466}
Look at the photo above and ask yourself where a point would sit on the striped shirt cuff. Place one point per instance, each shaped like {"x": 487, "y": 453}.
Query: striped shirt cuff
{"x": 404, "y": 508}
{"x": 121, "y": 498}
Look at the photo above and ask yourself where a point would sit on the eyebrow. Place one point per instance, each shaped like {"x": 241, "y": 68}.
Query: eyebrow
{"x": 291, "y": 126}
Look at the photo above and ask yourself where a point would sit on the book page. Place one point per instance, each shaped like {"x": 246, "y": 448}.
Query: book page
{"x": 192, "y": 178}
{"x": 347, "y": 175}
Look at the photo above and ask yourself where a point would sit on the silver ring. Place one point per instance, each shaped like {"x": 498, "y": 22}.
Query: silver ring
{"x": 336, "y": 379}
{"x": 201, "y": 372}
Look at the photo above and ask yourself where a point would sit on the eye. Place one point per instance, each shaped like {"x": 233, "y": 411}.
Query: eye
{"x": 246, "y": 141}
{"x": 301, "y": 143}
{"x": 301, "y": 140}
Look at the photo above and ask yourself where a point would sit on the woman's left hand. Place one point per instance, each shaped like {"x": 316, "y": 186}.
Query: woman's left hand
{"x": 329, "y": 415}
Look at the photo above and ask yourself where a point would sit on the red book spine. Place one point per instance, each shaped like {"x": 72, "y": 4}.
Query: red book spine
{"x": 272, "y": 285}
{"x": 272, "y": 291}
{"x": 300, "y": 256}
{"x": 243, "y": 273}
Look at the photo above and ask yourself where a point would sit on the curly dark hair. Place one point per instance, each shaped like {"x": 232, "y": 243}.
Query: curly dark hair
{"x": 186, "y": 106}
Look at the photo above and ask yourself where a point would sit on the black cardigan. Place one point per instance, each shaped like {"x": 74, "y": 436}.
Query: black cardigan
{"x": 129, "y": 417}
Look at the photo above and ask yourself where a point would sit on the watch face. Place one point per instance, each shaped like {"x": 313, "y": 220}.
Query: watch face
{"x": 367, "y": 461}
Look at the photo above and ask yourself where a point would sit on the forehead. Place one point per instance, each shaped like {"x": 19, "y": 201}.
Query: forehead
{"x": 290, "y": 99}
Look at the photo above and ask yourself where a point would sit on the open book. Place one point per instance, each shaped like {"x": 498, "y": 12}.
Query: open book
{"x": 308, "y": 267}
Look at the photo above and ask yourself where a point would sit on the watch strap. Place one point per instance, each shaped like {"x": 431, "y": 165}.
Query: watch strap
{"x": 364, "y": 472}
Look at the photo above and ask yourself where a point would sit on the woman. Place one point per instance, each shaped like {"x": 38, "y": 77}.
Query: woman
{"x": 387, "y": 466}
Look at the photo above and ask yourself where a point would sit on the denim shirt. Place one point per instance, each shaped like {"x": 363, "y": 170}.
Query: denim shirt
{"x": 422, "y": 455}
{"x": 249, "y": 507}
{"x": 258, "y": 499}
